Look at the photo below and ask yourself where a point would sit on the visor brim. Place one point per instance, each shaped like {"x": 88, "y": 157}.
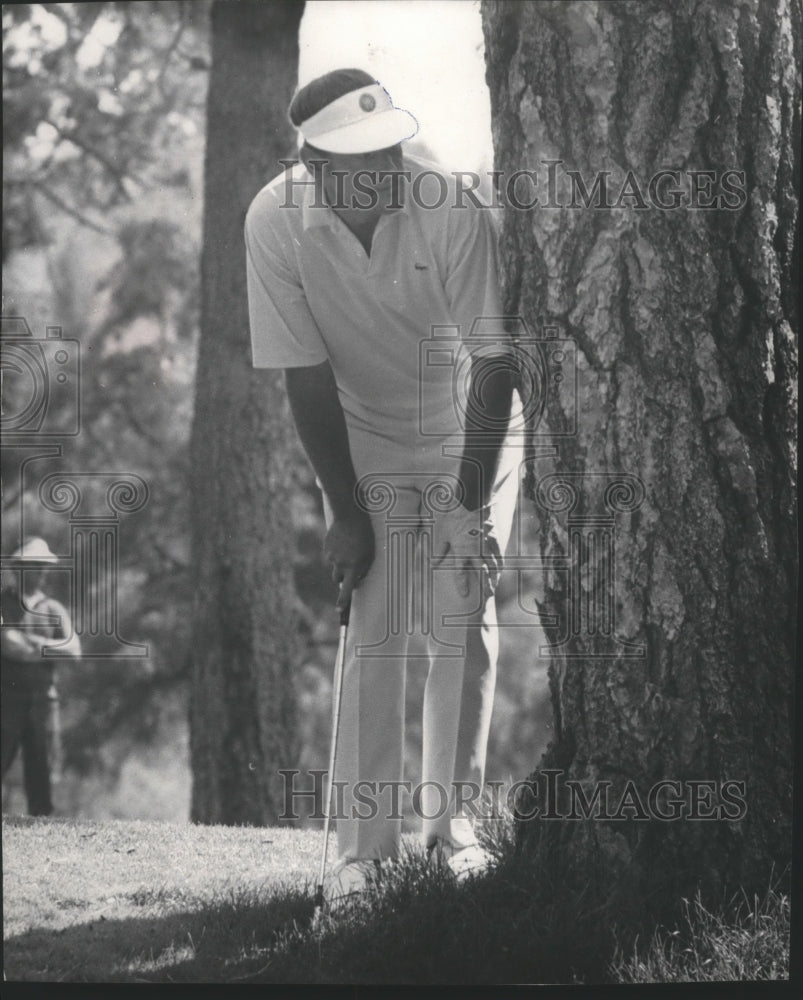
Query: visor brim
{"x": 388, "y": 128}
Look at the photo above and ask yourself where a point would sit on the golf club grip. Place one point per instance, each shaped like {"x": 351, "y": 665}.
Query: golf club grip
{"x": 345, "y": 613}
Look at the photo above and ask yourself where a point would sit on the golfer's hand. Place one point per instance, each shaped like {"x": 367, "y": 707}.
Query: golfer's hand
{"x": 21, "y": 645}
{"x": 469, "y": 537}
{"x": 349, "y": 550}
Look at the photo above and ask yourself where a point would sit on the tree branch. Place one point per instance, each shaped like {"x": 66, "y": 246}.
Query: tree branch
{"x": 119, "y": 175}
{"x": 70, "y": 210}
{"x": 170, "y": 565}
{"x": 171, "y": 48}
{"x": 136, "y": 424}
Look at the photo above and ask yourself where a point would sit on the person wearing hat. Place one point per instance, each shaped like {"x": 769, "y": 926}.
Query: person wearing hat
{"x": 31, "y": 623}
{"x": 355, "y": 255}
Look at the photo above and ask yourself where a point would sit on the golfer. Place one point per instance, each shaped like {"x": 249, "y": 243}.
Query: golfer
{"x": 374, "y": 285}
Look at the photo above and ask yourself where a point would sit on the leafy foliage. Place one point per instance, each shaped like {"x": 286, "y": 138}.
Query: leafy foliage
{"x": 103, "y": 130}
{"x": 96, "y": 99}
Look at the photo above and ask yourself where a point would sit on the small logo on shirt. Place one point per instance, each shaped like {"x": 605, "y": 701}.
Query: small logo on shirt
{"x": 421, "y": 267}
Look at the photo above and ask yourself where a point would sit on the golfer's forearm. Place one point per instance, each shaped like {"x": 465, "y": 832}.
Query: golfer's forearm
{"x": 486, "y": 419}
{"x": 321, "y": 425}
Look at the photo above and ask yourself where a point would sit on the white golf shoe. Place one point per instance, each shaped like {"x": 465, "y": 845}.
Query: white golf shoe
{"x": 349, "y": 880}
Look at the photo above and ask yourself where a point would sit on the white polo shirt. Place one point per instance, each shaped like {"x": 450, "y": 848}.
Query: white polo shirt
{"x": 394, "y": 326}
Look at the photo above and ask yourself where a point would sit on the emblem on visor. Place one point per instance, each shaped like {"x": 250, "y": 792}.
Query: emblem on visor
{"x": 367, "y": 102}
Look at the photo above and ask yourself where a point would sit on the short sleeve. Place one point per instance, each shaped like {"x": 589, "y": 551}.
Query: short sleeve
{"x": 472, "y": 282}
{"x": 284, "y": 333}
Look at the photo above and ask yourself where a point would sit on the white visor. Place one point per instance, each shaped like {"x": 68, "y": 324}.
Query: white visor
{"x": 361, "y": 121}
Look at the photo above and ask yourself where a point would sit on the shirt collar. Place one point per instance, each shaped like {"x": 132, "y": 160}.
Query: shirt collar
{"x": 313, "y": 215}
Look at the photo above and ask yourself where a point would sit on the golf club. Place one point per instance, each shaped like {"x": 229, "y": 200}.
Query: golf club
{"x": 337, "y": 690}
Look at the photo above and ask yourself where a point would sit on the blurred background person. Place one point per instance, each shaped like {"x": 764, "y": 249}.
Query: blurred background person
{"x": 32, "y": 622}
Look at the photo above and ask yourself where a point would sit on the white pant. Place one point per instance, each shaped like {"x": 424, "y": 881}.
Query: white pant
{"x": 403, "y": 595}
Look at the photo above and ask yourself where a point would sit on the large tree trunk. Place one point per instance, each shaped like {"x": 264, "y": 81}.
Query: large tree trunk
{"x": 243, "y": 713}
{"x": 684, "y": 454}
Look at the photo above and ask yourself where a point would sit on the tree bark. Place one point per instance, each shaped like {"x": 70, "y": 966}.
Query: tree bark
{"x": 243, "y": 709}
{"x": 685, "y": 324}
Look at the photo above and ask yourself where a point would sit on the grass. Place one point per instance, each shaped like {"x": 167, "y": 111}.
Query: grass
{"x": 748, "y": 941}
{"x": 99, "y": 902}
{"x": 156, "y": 902}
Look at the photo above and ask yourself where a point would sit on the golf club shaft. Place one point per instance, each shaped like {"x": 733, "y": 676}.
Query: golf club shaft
{"x": 337, "y": 691}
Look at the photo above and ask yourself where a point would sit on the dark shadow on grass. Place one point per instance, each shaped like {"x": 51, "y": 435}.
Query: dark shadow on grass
{"x": 209, "y": 943}
{"x": 417, "y": 927}
{"x": 420, "y": 927}
{"x": 521, "y": 923}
